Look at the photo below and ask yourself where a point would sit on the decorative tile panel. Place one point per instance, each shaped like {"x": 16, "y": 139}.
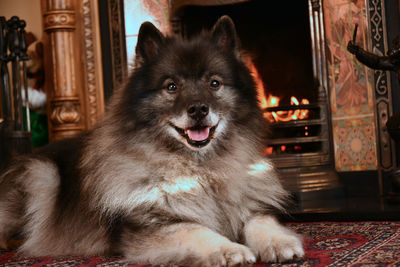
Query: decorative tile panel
{"x": 355, "y": 144}
{"x": 351, "y": 88}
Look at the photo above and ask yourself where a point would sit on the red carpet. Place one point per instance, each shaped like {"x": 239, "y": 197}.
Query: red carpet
{"x": 326, "y": 243}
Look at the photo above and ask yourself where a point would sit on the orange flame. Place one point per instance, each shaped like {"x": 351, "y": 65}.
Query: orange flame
{"x": 289, "y": 115}
{"x": 273, "y": 101}
{"x": 262, "y": 100}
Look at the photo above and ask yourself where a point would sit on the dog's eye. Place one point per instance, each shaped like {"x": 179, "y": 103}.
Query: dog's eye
{"x": 215, "y": 84}
{"x": 171, "y": 87}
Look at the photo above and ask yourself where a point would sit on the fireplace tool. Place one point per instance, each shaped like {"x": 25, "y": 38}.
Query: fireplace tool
{"x": 15, "y": 139}
{"x": 390, "y": 62}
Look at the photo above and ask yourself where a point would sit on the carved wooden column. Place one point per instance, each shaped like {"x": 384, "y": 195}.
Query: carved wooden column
{"x": 62, "y": 69}
{"x": 92, "y": 71}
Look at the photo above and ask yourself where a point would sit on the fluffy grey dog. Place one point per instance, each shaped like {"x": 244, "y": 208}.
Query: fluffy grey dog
{"x": 173, "y": 174}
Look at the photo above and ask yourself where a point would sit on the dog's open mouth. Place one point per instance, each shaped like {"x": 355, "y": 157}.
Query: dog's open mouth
{"x": 198, "y": 136}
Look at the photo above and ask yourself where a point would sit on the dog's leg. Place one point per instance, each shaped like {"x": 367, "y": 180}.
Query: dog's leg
{"x": 271, "y": 241}
{"x": 185, "y": 244}
{"x": 11, "y": 206}
{"x": 10, "y": 215}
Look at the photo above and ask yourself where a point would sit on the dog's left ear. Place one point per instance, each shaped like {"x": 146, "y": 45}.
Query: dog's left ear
{"x": 150, "y": 41}
{"x": 224, "y": 33}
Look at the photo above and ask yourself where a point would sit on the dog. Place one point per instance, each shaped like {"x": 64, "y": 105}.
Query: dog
{"x": 173, "y": 174}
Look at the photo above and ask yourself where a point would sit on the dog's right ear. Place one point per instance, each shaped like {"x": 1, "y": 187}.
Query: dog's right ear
{"x": 150, "y": 40}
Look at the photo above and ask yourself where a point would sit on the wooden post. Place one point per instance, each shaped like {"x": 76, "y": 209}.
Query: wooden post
{"x": 62, "y": 69}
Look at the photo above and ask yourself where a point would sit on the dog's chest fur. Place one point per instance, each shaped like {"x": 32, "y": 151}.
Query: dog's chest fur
{"x": 204, "y": 196}
{"x": 219, "y": 194}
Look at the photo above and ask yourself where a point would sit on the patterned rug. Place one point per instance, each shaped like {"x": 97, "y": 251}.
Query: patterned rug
{"x": 326, "y": 244}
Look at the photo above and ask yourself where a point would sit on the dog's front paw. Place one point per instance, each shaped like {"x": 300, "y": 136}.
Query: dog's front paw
{"x": 280, "y": 247}
{"x": 271, "y": 241}
{"x": 230, "y": 255}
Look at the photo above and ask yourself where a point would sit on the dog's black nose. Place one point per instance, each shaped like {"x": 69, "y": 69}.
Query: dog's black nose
{"x": 197, "y": 111}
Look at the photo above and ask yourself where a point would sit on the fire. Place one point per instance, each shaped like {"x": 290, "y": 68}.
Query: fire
{"x": 263, "y": 102}
{"x": 285, "y": 115}
{"x": 273, "y": 101}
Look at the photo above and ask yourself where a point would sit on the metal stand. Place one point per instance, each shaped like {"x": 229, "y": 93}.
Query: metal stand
{"x": 393, "y": 126}
{"x": 14, "y": 138}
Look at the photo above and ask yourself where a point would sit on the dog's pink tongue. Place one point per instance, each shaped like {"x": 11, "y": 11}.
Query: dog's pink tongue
{"x": 199, "y": 134}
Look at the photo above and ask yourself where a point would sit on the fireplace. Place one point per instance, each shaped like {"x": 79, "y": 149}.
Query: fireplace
{"x": 286, "y": 53}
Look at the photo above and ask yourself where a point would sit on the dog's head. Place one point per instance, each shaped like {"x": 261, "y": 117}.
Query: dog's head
{"x": 191, "y": 91}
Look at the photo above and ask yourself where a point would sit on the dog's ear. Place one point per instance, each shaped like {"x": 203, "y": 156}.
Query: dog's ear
{"x": 150, "y": 40}
{"x": 224, "y": 33}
